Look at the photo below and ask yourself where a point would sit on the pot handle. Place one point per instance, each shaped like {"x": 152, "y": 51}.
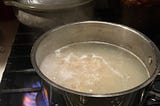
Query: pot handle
{"x": 24, "y": 6}
{"x": 17, "y": 4}
{"x": 35, "y": 7}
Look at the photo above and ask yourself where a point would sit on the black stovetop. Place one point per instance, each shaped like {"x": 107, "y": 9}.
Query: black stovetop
{"x": 21, "y": 86}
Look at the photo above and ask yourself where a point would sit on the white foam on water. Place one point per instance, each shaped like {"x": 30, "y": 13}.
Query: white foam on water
{"x": 94, "y": 67}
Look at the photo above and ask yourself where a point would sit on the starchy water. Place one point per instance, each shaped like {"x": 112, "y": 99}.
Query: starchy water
{"x": 94, "y": 67}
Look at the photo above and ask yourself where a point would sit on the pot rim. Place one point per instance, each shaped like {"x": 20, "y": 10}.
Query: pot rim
{"x": 147, "y": 82}
{"x": 41, "y": 8}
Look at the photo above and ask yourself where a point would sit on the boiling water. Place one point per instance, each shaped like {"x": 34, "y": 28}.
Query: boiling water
{"x": 94, "y": 67}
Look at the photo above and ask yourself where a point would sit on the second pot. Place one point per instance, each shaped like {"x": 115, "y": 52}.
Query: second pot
{"x": 47, "y": 14}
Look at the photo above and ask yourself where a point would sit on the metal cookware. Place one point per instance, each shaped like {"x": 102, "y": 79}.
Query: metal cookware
{"x": 120, "y": 35}
{"x": 45, "y": 14}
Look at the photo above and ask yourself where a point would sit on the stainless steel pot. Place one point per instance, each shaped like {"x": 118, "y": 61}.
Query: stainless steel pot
{"x": 116, "y": 34}
{"x": 45, "y": 14}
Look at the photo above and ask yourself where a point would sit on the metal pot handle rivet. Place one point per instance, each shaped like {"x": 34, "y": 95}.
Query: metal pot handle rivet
{"x": 150, "y": 60}
{"x": 1, "y": 49}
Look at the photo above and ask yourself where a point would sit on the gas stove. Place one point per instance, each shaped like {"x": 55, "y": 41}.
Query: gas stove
{"x": 21, "y": 86}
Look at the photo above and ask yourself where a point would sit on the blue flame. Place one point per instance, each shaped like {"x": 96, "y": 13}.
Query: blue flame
{"x": 30, "y": 99}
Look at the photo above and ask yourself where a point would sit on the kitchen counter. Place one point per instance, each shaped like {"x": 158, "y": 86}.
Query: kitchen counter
{"x": 8, "y": 31}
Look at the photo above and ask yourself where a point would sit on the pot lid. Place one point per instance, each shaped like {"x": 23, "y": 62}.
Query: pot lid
{"x": 45, "y": 5}
{"x": 50, "y": 2}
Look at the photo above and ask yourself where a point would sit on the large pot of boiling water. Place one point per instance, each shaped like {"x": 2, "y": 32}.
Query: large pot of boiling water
{"x": 97, "y": 63}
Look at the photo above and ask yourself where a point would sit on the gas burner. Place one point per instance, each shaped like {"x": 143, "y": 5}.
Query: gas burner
{"x": 36, "y": 98}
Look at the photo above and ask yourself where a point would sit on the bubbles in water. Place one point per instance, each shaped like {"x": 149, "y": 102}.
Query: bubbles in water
{"x": 94, "y": 67}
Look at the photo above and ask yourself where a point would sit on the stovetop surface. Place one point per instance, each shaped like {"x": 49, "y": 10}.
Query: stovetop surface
{"x": 20, "y": 80}
{"x": 21, "y": 86}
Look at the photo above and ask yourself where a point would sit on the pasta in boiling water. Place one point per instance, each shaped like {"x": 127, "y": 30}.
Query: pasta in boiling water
{"x": 94, "y": 67}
